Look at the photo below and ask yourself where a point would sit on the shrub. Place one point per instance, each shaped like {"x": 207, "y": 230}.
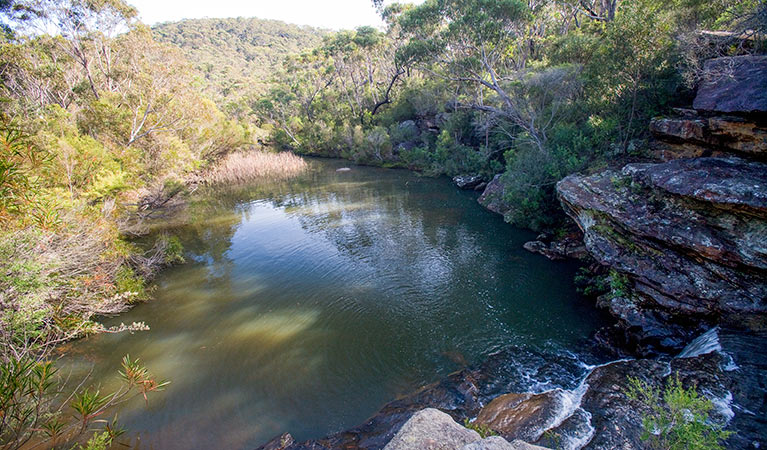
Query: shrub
{"x": 108, "y": 184}
{"x": 417, "y": 158}
{"x": 679, "y": 417}
{"x": 482, "y": 429}
{"x": 33, "y": 402}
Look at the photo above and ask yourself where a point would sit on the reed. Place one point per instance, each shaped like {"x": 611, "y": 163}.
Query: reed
{"x": 242, "y": 167}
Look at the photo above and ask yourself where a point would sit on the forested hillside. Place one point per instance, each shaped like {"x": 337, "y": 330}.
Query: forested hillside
{"x": 533, "y": 90}
{"x": 237, "y": 56}
{"x": 98, "y": 121}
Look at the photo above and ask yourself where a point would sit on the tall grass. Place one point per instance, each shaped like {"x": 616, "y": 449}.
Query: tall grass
{"x": 242, "y": 167}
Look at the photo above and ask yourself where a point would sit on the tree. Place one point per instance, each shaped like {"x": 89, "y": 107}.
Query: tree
{"x": 86, "y": 26}
{"x": 481, "y": 43}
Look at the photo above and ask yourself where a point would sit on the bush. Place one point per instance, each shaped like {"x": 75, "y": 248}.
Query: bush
{"x": 33, "y": 404}
{"x": 679, "y": 417}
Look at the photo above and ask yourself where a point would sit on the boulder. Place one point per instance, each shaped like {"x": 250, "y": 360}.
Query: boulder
{"x": 490, "y": 443}
{"x": 736, "y": 84}
{"x": 492, "y": 197}
{"x": 524, "y": 416}
{"x": 499, "y": 443}
{"x": 431, "y": 429}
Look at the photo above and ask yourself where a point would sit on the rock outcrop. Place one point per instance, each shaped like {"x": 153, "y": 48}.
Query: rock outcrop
{"x": 431, "y": 429}
{"x": 691, "y": 135}
{"x": 687, "y": 238}
{"x": 525, "y": 416}
{"x": 492, "y": 197}
{"x": 736, "y": 84}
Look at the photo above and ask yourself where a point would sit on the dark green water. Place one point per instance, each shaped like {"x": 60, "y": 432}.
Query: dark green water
{"x": 306, "y": 305}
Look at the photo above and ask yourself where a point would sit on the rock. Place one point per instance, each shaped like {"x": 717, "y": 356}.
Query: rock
{"x": 490, "y": 443}
{"x": 725, "y": 183}
{"x": 480, "y": 187}
{"x": 281, "y": 442}
{"x": 499, "y": 443}
{"x": 409, "y": 127}
{"x": 467, "y": 181}
{"x": 736, "y": 84}
{"x": 538, "y": 247}
{"x": 522, "y": 445}
{"x": 727, "y": 366}
{"x": 685, "y": 137}
{"x": 431, "y": 429}
{"x": 574, "y": 432}
{"x": 689, "y": 236}
{"x": 737, "y": 394}
{"x": 524, "y": 416}
{"x": 617, "y": 421}
{"x": 492, "y": 197}
{"x": 568, "y": 246}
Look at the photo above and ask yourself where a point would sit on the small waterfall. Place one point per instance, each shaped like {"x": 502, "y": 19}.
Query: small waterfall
{"x": 705, "y": 343}
{"x": 581, "y": 432}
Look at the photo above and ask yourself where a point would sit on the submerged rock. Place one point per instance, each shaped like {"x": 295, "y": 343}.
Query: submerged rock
{"x": 568, "y": 246}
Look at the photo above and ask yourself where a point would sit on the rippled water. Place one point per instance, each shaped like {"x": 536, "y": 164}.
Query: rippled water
{"x": 308, "y": 304}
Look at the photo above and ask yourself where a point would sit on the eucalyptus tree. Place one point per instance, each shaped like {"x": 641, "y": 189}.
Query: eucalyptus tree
{"x": 483, "y": 44}
{"x": 87, "y": 28}
{"x": 366, "y": 69}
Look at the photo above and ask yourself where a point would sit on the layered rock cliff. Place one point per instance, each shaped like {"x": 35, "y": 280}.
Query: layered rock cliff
{"x": 686, "y": 239}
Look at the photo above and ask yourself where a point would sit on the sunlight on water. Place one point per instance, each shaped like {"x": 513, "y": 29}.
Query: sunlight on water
{"x": 306, "y": 305}
{"x": 270, "y": 328}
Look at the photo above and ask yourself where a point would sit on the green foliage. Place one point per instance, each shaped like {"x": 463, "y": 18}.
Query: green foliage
{"x": 99, "y": 441}
{"x": 126, "y": 281}
{"x": 237, "y": 57}
{"x": 32, "y": 398}
{"x": 620, "y": 285}
{"x": 678, "y": 418}
{"x": 589, "y": 284}
{"x": 482, "y": 429}
{"x": 174, "y": 250}
{"x": 18, "y": 161}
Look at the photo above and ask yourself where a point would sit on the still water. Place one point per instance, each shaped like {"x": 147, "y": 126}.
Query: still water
{"x": 306, "y": 305}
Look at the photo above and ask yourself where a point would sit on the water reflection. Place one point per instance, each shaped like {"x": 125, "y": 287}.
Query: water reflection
{"x": 308, "y": 304}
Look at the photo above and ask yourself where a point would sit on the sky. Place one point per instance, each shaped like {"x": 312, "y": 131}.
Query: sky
{"x": 333, "y": 14}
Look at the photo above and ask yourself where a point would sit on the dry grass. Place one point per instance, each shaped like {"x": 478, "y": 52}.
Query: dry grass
{"x": 243, "y": 167}
{"x": 53, "y": 282}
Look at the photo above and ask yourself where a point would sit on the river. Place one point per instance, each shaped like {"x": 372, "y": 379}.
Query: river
{"x": 307, "y": 304}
